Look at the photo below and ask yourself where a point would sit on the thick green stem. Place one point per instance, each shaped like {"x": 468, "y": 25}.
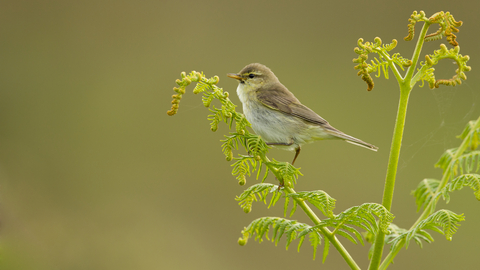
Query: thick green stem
{"x": 406, "y": 86}
{"x": 391, "y": 171}
{"x": 395, "y": 149}
{"x": 416, "y": 56}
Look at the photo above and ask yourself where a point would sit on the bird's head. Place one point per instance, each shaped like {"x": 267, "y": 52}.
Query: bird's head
{"x": 254, "y": 77}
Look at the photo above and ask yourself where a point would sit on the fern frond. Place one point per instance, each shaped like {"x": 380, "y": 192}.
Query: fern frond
{"x": 362, "y": 216}
{"x": 364, "y": 68}
{"x": 388, "y": 47}
{"x": 208, "y": 96}
{"x": 397, "y": 234}
{"x": 315, "y": 241}
{"x": 427, "y": 75}
{"x": 467, "y": 163}
{"x": 255, "y": 145}
{"x": 401, "y": 61}
{"x": 447, "y": 27}
{"x": 366, "y": 212}
{"x": 218, "y": 116}
{"x": 229, "y": 144}
{"x": 183, "y": 83}
{"x": 414, "y": 18}
{"x": 470, "y": 180}
{"x": 287, "y": 172}
{"x": 443, "y": 221}
{"x": 210, "y": 91}
{"x": 292, "y": 230}
{"x": 258, "y": 192}
{"x": 241, "y": 168}
{"x": 446, "y": 159}
{"x": 444, "y": 53}
{"x": 445, "y": 20}
{"x": 319, "y": 199}
{"x": 471, "y": 134}
{"x": 425, "y": 192}
{"x": 346, "y": 232}
{"x": 378, "y": 66}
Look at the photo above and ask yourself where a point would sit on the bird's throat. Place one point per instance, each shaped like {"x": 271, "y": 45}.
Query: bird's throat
{"x": 246, "y": 93}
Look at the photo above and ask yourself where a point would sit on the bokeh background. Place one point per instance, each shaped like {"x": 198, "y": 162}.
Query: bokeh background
{"x": 95, "y": 175}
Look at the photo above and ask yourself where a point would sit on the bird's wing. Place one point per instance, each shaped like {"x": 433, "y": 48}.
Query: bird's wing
{"x": 280, "y": 99}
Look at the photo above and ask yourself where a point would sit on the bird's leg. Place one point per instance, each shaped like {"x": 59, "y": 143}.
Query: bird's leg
{"x": 297, "y": 151}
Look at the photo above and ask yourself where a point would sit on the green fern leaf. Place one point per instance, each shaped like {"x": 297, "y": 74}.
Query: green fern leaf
{"x": 287, "y": 172}
{"x": 326, "y": 249}
{"x": 402, "y": 62}
{"x": 315, "y": 241}
{"x": 346, "y": 232}
{"x": 230, "y": 144}
{"x": 319, "y": 199}
{"x": 425, "y": 192}
{"x": 379, "y": 66}
{"x": 471, "y": 133}
{"x": 290, "y": 228}
{"x": 362, "y": 216}
{"x": 365, "y": 214}
{"x": 241, "y": 167}
{"x": 258, "y": 192}
{"x": 255, "y": 145}
{"x": 397, "y": 234}
{"x": 446, "y": 159}
{"x": 470, "y": 180}
{"x": 443, "y": 221}
{"x": 467, "y": 163}
{"x": 394, "y": 237}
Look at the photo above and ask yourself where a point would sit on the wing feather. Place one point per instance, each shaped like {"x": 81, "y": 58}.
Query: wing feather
{"x": 279, "y": 98}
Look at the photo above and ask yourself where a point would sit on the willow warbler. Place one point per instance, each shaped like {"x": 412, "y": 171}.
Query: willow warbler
{"x": 278, "y": 116}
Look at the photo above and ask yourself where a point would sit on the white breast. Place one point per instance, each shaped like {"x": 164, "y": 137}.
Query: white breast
{"x": 242, "y": 93}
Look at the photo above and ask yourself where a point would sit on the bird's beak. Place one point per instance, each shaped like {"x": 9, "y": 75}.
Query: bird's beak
{"x": 235, "y": 76}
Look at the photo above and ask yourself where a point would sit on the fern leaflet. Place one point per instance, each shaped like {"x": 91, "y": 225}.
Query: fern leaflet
{"x": 425, "y": 192}
{"x": 319, "y": 199}
{"x": 258, "y": 192}
{"x": 280, "y": 226}
{"x": 443, "y": 221}
{"x": 470, "y": 180}
{"x": 362, "y": 216}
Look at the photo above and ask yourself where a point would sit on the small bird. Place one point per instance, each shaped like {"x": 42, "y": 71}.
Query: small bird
{"x": 278, "y": 116}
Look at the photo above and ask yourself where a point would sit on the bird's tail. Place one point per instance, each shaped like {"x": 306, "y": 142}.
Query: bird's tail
{"x": 363, "y": 144}
{"x": 354, "y": 140}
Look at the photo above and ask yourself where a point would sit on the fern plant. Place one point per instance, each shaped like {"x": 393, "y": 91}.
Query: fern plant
{"x": 371, "y": 222}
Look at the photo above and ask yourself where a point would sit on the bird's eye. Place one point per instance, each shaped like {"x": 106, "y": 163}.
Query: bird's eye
{"x": 251, "y": 76}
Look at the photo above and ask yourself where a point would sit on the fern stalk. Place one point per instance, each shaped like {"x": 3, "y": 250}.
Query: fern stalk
{"x": 405, "y": 89}
{"x": 429, "y": 208}
{"x": 446, "y": 177}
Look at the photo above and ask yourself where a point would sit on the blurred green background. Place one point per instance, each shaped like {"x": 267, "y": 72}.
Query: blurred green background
{"x": 95, "y": 175}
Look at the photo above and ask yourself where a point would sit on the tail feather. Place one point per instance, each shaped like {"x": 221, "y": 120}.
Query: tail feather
{"x": 363, "y": 144}
{"x": 353, "y": 140}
